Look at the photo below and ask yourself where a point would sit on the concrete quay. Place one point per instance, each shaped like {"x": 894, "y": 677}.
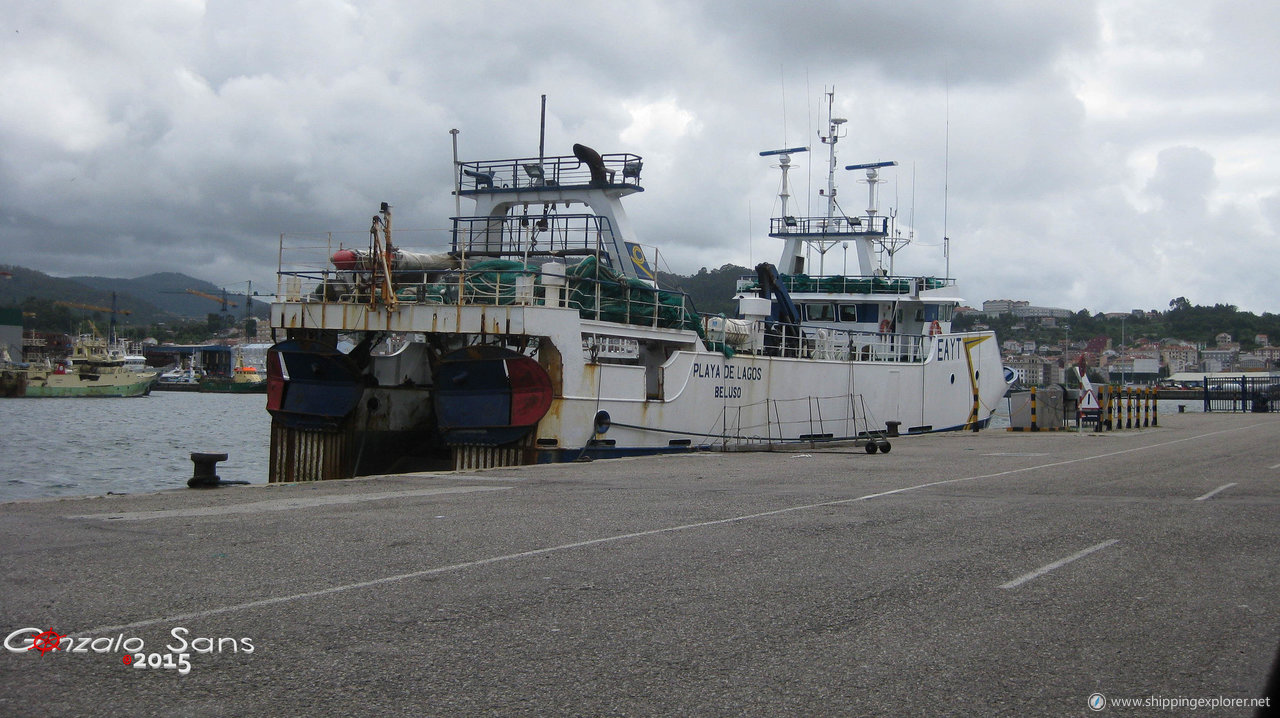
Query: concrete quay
{"x": 994, "y": 574}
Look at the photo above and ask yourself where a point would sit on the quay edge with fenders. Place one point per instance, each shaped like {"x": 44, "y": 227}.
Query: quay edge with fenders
{"x": 540, "y": 334}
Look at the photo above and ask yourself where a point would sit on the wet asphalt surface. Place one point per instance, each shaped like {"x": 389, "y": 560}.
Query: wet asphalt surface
{"x": 990, "y": 574}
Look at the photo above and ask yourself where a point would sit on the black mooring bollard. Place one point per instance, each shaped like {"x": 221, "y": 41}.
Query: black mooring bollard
{"x": 205, "y": 476}
{"x": 891, "y": 428}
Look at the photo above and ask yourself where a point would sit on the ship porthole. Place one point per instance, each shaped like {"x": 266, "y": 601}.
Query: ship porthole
{"x": 953, "y": 378}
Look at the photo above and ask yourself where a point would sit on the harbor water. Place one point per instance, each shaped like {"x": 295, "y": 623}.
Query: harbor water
{"x": 78, "y": 447}
{"x": 75, "y": 447}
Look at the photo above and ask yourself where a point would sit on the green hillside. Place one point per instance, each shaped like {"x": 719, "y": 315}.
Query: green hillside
{"x": 140, "y": 302}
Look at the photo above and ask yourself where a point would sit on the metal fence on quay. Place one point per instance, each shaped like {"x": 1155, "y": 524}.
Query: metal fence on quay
{"x": 1258, "y": 394}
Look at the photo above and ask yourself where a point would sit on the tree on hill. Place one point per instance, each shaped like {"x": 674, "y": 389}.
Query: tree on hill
{"x": 711, "y": 290}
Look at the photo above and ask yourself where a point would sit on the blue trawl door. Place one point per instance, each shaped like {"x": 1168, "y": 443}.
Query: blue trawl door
{"x": 489, "y": 396}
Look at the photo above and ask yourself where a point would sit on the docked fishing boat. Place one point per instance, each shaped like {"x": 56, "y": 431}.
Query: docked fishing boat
{"x": 244, "y": 379}
{"x": 93, "y": 370}
{"x": 540, "y": 334}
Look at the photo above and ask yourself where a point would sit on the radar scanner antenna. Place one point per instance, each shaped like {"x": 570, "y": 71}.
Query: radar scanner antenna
{"x": 881, "y": 235}
{"x": 784, "y": 163}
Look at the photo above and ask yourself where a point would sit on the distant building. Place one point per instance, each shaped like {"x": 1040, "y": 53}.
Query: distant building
{"x": 1270, "y": 353}
{"x": 996, "y": 307}
{"x": 1180, "y": 357}
{"x": 1134, "y": 369}
{"x": 1251, "y": 362}
{"x": 1026, "y": 311}
{"x": 1029, "y": 369}
{"x": 1261, "y": 340}
{"x": 1097, "y": 345}
{"x": 1219, "y": 359}
{"x": 1054, "y": 371}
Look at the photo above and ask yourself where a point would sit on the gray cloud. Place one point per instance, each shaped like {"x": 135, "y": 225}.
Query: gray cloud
{"x": 1091, "y": 145}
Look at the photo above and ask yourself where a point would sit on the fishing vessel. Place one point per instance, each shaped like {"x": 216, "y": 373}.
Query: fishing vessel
{"x": 539, "y": 333}
{"x": 93, "y": 370}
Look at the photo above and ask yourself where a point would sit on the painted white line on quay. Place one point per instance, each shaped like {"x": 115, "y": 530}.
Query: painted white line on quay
{"x": 1057, "y": 564}
{"x": 1213, "y": 493}
{"x": 194, "y": 615}
{"x": 1277, "y": 466}
{"x": 288, "y": 504}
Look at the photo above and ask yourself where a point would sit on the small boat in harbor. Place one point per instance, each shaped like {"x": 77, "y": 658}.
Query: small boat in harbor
{"x": 185, "y": 376}
{"x": 92, "y": 370}
{"x": 244, "y": 379}
{"x": 541, "y": 334}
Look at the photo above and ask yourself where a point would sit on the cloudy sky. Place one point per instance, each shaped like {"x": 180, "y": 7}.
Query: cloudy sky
{"x": 1107, "y": 155}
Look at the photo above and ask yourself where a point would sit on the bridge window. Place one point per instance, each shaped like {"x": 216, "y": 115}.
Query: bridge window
{"x": 820, "y": 312}
{"x": 848, "y": 312}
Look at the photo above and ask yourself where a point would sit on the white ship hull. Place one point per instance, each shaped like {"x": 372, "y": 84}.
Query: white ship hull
{"x": 695, "y": 399}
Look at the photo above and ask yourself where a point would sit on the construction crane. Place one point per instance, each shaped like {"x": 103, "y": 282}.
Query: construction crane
{"x": 93, "y": 307}
{"x": 214, "y": 297}
{"x": 111, "y": 310}
{"x": 196, "y": 292}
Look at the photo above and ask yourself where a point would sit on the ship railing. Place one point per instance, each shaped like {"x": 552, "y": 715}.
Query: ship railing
{"x": 557, "y": 235}
{"x": 524, "y": 173}
{"x": 593, "y": 290}
{"x": 819, "y": 226}
{"x": 778, "y": 339}
{"x": 848, "y": 284}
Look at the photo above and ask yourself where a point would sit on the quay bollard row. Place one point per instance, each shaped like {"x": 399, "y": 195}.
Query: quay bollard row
{"x": 1127, "y": 408}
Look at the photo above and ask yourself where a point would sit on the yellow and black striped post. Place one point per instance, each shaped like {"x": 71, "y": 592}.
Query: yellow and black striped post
{"x": 1155, "y": 406}
{"x": 1128, "y": 407}
{"x": 1034, "y": 425}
